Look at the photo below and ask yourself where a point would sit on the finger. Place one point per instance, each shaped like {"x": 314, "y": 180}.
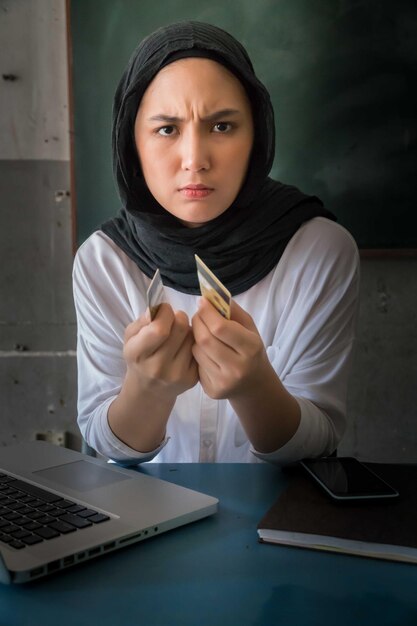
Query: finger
{"x": 182, "y": 317}
{"x": 200, "y": 330}
{"x": 135, "y": 327}
{"x": 164, "y": 313}
{"x": 153, "y": 335}
{"x": 181, "y": 337}
{"x": 161, "y": 326}
{"x": 179, "y": 368}
{"x": 206, "y": 381}
{"x": 184, "y": 357}
{"x": 211, "y": 318}
{"x": 208, "y": 351}
{"x": 205, "y": 362}
{"x": 225, "y": 331}
{"x": 202, "y": 335}
{"x": 239, "y": 315}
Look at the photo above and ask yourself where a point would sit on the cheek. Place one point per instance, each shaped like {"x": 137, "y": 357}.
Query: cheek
{"x": 156, "y": 161}
{"x": 237, "y": 158}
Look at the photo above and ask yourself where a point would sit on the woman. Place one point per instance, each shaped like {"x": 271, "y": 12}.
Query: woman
{"x": 193, "y": 143}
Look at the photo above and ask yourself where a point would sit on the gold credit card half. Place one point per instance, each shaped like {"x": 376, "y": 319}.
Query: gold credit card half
{"x": 155, "y": 294}
{"x": 212, "y": 289}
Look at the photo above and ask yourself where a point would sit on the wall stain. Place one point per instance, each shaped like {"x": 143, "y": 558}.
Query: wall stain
{"x": 383, "y": 297}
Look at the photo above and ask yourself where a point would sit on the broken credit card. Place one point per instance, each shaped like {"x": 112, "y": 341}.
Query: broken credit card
{"x": 212, "y": 289}
{"x": 155, "y": 294}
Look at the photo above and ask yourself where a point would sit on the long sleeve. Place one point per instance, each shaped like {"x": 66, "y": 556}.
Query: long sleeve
{"x": 316, "y": 298}
{"x": 106, "y": 300}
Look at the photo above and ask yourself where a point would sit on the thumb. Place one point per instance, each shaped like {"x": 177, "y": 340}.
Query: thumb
{"x": 134, "y": 327}
{"x": 239, "y": 315}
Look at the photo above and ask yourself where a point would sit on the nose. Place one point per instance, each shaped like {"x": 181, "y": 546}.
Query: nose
{"x": 194, "y": 151}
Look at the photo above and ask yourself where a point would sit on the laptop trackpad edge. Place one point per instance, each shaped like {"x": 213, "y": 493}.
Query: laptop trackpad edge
{"x": 81, "y": 475}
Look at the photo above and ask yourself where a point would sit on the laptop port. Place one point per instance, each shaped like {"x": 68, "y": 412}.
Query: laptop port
{"x": 126, "y": 539}
{"x": 36, "y": 572}
{"x": 53, "y": 566}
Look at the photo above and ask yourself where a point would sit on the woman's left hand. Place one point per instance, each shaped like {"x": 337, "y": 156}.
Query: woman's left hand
{"x": 230, "y": 354}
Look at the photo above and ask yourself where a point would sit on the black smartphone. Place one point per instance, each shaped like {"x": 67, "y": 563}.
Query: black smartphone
{"x": 346, "y": 478}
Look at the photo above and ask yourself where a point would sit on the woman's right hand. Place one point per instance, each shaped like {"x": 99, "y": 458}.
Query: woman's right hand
{"x": 158, "y": 353}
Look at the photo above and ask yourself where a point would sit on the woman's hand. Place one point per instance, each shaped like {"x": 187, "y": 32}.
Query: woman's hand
{"x": 160, "y": 366}
{"x": 158, "y": 353}
{"x": 230, "y": 354}
{"x": 233, "y": 364}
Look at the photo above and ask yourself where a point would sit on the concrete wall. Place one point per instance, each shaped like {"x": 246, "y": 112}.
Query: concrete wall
{"x": 382, "y": 407}
{"x": 37, "y": 322}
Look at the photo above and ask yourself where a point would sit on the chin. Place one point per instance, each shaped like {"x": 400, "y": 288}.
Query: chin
{"x": 192, "y": 223}
{"x": 197, "y": 219}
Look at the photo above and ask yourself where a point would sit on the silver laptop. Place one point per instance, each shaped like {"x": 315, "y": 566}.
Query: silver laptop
{"x": 59, "y": 508}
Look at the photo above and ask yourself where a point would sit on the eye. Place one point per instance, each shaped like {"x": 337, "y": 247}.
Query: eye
{"x": 222, "y": 127}
{"x": 166, "y": 131}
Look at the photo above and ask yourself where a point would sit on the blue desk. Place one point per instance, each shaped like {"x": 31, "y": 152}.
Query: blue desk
{"x": 214, "y": 572}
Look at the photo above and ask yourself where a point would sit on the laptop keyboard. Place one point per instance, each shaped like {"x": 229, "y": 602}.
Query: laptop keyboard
{"x": 29, "y": 514}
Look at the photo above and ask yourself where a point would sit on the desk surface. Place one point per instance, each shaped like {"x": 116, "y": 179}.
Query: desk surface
{"x": 214, "y": 572}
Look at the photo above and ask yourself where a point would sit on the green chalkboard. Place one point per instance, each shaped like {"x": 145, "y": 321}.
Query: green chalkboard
{"x": 342, "y": 76}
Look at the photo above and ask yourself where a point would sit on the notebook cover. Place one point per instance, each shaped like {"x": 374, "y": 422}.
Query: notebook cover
{"x": 303, "y": 508}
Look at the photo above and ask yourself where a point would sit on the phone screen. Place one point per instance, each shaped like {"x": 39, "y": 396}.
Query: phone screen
{"x": 346, "y": 477}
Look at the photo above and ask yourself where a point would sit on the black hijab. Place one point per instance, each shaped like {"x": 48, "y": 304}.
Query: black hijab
{"x": 245, "y": 242}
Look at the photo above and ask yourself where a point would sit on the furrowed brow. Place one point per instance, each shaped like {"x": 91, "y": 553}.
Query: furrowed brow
{"x": 220, "y": 115}
{"x": 213, "y": 117}
{"x": 169, "y": 119}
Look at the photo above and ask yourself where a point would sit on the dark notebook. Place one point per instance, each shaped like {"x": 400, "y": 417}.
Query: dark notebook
{"x": 303, "y": 516}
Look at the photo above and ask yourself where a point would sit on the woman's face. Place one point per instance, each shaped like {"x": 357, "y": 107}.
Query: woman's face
{"x": 194, "y": 135}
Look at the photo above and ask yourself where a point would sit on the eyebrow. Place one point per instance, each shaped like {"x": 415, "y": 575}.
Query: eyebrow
{"x": 217, "y": 115}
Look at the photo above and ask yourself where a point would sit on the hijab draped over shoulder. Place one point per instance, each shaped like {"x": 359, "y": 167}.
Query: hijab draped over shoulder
{"x": 243, "y": 244}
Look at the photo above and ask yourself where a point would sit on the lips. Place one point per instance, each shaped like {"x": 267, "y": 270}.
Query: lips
{"x": 195, "y": 191}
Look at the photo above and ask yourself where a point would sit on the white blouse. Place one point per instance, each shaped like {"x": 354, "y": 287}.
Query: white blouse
{"x": 304, "y": 309}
